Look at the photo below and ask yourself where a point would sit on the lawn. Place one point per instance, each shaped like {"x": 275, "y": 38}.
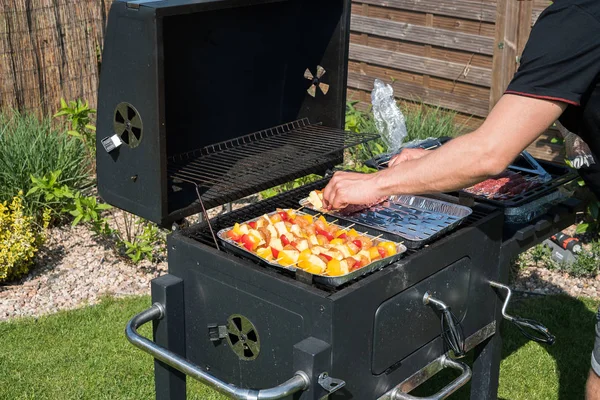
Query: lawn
{"x": 83, "y": 354}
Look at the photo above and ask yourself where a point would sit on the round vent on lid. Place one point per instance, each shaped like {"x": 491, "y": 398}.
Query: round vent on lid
{"x": 128, "y": 124}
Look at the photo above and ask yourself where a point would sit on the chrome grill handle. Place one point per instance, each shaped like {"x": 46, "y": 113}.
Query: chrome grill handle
{"x": 446, "y": 362}
{"x": 299, "y": 382}
{"x": 531, "y": 329}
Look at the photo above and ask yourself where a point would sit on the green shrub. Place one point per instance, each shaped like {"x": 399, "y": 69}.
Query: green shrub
{"x": 20, "y": 238}
{"x": 31, "y": 147}
{"x": 422, "y": 122}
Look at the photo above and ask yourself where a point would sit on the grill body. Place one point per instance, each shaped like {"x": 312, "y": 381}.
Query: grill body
{"x": 378, "y": 329}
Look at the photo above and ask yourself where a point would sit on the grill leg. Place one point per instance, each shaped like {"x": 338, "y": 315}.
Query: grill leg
{"x": 169, "y": 333}
{"x": 486, "y": 369}
{"x": 486, "y": 365}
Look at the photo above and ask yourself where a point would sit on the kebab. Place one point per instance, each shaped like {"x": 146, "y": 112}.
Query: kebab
{"x": 309, "y": 243}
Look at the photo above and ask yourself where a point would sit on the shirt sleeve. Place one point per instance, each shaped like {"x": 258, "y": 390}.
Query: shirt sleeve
{"x": 561, "y": 60}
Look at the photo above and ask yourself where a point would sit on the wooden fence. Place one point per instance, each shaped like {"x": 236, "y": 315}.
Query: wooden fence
{"x": 458, "y": 54}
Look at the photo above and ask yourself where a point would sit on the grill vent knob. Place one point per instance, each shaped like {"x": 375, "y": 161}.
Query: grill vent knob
{"x": 128, "y": 124}
{"x": 242, "y": 337}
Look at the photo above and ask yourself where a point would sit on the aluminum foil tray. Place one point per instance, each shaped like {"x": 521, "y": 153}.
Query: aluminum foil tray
{"x": 300, "y": 274}
{"x": 417, "y": 219}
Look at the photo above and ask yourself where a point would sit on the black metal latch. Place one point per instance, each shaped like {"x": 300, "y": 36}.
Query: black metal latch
{"x": 217, "y": 332}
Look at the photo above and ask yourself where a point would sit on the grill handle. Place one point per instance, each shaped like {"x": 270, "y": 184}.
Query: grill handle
{"x": 531, "y": 329}
{"x": 299, "y": 382}
{"x": 446, "y": 362}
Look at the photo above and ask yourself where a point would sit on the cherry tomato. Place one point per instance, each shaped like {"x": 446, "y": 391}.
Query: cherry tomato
{"x": 323, "y": 232}
{"x": 248, "y": 242}
{"x": 284, "y": 216}
{"x": 329, "y": 258}
{"x": 252, "y": 224}
{"x": 284, "y": 240}
{"x": 357, "y": 243}
{"x": 234, "y": 236}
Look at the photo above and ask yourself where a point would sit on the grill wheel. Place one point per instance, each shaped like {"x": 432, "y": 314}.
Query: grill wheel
{"x": 243, "y": 337}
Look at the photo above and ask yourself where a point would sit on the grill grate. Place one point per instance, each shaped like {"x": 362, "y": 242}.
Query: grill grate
{"x": 201, "y": 232}
{"x": 260, "y": 160}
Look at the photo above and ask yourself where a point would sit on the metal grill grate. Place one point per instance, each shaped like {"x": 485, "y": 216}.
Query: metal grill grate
{"x": 260, "y": 160}
{"x": 201, "y": 232}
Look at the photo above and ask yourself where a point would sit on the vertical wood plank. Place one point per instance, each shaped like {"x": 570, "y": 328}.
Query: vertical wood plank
{"x": 505, "y": 51}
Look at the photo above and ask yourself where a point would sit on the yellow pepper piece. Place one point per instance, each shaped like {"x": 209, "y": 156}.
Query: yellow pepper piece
{"x": 390, "y": 248}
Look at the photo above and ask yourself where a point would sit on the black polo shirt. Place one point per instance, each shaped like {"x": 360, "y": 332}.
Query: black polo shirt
{"x": 561, "y": 62}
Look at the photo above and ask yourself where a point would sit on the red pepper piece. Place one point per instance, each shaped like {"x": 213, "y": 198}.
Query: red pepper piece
{"x": 284, "y": 240}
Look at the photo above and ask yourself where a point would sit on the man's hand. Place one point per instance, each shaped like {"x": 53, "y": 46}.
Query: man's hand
{"x": 346, "y": 188}
{"x": 407, "y": 155}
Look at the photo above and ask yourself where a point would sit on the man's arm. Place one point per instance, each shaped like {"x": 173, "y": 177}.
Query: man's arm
{"x": 513, "y": 124}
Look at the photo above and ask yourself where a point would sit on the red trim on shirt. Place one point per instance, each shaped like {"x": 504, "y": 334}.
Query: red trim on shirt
{"x": 535, "y": 96}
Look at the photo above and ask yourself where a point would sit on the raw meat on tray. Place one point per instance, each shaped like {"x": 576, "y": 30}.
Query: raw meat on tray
{"x": 505, "y": 185}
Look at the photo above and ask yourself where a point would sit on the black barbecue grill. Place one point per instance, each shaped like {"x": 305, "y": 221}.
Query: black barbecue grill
{"x": 202, "y": 103}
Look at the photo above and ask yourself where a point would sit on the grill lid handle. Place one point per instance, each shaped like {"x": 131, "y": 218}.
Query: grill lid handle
{"x": 531, "y": 329}
{"x": 299, "y": 382}
{"x": 439, "y": 364}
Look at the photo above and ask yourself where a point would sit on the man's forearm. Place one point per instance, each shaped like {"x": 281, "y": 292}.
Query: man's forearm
{"x": 460, "y": 163}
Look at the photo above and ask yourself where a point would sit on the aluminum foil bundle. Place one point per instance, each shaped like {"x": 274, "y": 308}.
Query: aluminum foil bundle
{"x": 389, "y": 120}
{"x": 578, "y": 152}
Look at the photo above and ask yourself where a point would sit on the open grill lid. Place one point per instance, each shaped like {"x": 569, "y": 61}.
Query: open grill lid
{"x": 184, "y": 84}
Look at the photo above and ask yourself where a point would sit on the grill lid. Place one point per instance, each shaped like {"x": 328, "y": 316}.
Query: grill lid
{"x": 228, "y": 171}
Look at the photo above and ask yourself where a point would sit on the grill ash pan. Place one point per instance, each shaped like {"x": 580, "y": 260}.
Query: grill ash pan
{"x": 300, "y": 274}
{"x": 416, "y": 219}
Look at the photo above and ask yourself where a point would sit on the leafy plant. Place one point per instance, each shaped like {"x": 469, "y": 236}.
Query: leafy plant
{"x": 143, "y": 245}
{"x": 540, "y": 254}
{"x": 31, "y": 147}
{"x": 87, "y": 209}
{"x": 591, "y": 223}
{"x": 138, "y": 238}
{"x": 78, "y": 115}
{"x": 50, "y": 194}
{"x": 305, "y": 180}
{"x": 422, "y": 122}
{"x": 20, "y": 239}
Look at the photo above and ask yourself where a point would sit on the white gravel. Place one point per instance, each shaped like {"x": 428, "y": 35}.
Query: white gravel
{"x": 543, "y": 281}
{"x": 75, "y": 269}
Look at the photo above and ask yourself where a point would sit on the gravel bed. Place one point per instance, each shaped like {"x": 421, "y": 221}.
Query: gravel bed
{"x": 543, "y": 281}
{"x": 75, "y": 269}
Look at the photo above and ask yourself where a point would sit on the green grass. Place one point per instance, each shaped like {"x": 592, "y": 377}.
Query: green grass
{"x": 29, "y": 146}
{"x": 83, "y": 354}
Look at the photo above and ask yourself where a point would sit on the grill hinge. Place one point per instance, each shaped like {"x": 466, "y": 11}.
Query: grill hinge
{"x": 217, "y": 332}
{"x": 135, "y": 4}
